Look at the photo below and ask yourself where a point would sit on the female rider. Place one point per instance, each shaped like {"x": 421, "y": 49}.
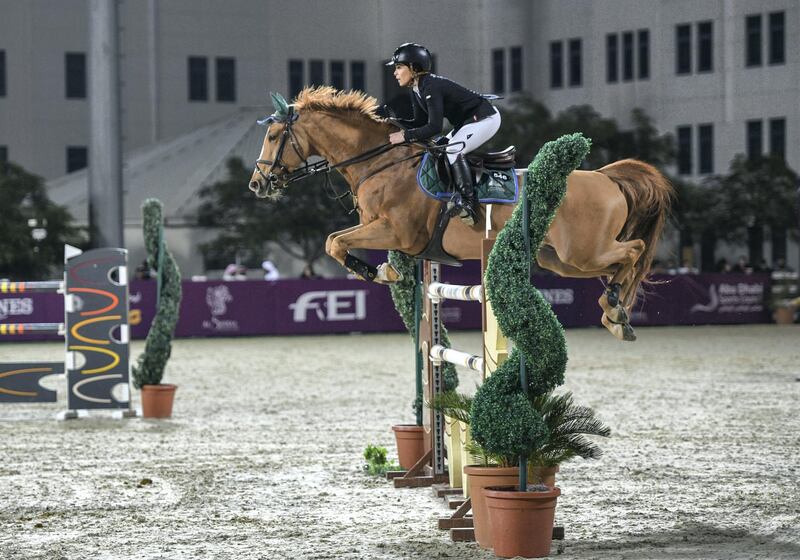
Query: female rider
{"x": 433, "y": 98}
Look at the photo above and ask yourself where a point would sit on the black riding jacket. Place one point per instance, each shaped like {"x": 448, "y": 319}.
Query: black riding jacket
{"x": 438, "y": 98}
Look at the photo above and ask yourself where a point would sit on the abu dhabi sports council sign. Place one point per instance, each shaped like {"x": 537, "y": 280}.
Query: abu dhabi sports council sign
{"x": 330, "y": 305}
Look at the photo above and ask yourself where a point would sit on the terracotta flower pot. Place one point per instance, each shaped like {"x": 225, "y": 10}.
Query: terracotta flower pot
{"x": 479, "y": 478}
{"x": 157, "y": 400}
{"x": 521, "y": 522}
{"x": 784, "y": 315}
{"x": 543, "y": 475}
{"x": 410, "y": 444}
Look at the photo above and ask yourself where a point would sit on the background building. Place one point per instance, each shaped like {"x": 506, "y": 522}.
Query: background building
{"x": 722, "y": 75}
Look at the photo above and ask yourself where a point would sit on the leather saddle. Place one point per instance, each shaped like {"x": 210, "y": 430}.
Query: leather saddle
{"x": 479, "y": 161}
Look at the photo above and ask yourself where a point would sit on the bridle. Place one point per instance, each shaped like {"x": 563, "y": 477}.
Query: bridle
{"x": 286, "y": 176}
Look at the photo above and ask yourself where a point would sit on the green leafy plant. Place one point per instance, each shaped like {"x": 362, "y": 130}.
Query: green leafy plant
{"x": 567, "y": 427}
{"x": 149, "y": 368}
{"x": 377, "y": 464}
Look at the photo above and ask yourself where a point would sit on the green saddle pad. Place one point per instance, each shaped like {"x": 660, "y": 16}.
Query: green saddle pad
{"x": 495, "y": 186}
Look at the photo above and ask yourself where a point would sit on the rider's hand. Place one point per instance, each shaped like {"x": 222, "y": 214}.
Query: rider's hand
{"x": 397, "y": 138}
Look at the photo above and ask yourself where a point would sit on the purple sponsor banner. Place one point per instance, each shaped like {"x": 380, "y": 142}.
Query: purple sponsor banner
{"x": 289, "y": 307}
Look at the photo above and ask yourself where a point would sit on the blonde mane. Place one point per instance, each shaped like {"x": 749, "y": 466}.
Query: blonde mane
{"x": 329, "y": 99}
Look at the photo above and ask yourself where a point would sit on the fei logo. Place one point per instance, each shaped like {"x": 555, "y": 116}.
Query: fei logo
{"x": 332, "y": 305}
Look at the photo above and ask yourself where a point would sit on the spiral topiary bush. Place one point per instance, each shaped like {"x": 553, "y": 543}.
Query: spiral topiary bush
{"x": 503, "y": 420}
{"x": 149, "y": 368}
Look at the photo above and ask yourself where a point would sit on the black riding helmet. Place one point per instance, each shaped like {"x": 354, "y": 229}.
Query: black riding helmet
{"x": 417, "y": 57}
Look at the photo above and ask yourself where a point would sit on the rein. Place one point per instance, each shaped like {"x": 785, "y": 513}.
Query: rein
{"x": 325, "y": 166}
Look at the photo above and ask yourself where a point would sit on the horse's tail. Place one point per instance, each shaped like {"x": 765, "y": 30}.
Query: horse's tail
{"x": 649, "y": 196}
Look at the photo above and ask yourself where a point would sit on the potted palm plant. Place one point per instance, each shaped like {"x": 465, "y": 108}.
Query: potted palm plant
{"x": 568, "y": 426}
{"x": 157, "y": 397}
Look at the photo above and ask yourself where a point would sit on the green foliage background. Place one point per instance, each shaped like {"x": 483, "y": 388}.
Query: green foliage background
{"x": 21, "y": 257}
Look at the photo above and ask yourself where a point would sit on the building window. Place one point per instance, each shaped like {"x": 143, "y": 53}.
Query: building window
{"x": 75, "y": 74}
{"x": 198, "y": 78}
{"x": 357, "y": 75}
{"x": 316, "y": 72}
{"x": 683, "y": 51}
{"x": 755, "y": 147}
{"x": 777, "y": 137}
{"x": 612, "y": 58}
{"x": 705, "y": 141}
{"x": 627, "y": 56}
{"x": 643, "y": 37}
{"x": 684, "y": 134}
{"x": 575, "y": 65}
{"x": 777, "y": 38}
{"x": 705, "y": 47}
{"x": 516, "y": 68}
{"x": 556, "y": 64}
{"x": 498, "y": 71}
{"x": 2, "y": 73}
{"x": 226, "y": 79}
{"x": 77, "y": 158}
{"x": 753, "y": 40}
{"x": 337, "y": 74}
{"x": 295, "y": 77}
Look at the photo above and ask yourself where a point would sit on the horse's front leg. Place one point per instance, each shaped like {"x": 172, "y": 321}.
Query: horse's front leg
{"x": 374, "y": 235}
{"x": 336, "y": 234}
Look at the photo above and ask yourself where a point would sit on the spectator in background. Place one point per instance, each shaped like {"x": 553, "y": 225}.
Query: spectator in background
{"x": 687, "y": 268}
{"x": 742, "y": 266}
{"x": 722, "y": 266}
{"x": 235, "y": 272}
{"x": 270, "y": 270}
{"x": 308, "y": 273}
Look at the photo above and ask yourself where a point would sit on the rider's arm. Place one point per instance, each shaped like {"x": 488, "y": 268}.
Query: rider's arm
{"x": 435, "y": 104}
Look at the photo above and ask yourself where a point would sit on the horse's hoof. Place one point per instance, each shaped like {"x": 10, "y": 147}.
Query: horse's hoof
{"x": 627, "y": 333}
{"x": 618, "y": 315}
{"x": 388, "y": 274}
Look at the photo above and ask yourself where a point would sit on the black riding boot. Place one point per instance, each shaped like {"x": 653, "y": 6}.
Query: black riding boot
{"x": 465, "y": 183}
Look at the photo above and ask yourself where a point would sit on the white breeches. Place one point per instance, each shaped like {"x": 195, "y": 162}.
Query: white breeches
{"x": 472, "y": 135}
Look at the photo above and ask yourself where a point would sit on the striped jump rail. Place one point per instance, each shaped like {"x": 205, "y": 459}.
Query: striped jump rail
{"x": 441, "y": 353}
{"x": 438, "y": 291}
{"x": 23, "y": 328}
{"x": 29, "y": 287}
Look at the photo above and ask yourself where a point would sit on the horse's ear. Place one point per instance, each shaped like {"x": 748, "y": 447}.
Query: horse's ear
{"x": 280, "y": 104}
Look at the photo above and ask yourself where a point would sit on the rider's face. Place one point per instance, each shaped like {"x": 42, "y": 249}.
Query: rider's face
{"x": 403, "y": 75}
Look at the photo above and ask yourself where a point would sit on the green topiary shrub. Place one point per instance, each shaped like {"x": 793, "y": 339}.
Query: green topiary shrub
{"x": 504, "y": 421}
{"x": 149, "y": 368}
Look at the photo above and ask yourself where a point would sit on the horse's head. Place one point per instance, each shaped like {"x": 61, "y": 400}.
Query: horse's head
{"x": 283, "y": 157}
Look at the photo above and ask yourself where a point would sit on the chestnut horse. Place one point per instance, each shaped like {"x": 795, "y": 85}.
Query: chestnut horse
{"x": 607, "y": 226}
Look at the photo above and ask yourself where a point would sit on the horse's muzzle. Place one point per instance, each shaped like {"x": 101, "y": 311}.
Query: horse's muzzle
{"x": 258, "y": 187}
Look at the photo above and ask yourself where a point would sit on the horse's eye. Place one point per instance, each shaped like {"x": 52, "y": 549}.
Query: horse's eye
{"x": 272, "y": 137}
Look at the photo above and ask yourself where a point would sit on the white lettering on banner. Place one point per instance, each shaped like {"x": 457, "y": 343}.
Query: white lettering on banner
{"x": 558, "y": 296}
{"x": 217, "y": 299}
{"x": 333, "y": 305}
{"x": 732, "y": 298}
{"x": 15, "y": 306}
